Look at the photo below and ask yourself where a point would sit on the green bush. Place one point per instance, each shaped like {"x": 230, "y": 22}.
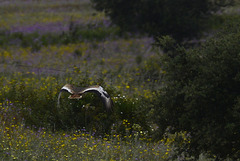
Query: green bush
{"x": 178, "y": 18}
{"x": 201, "y": 93}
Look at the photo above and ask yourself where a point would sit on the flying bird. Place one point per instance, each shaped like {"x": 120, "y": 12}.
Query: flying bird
{"x": 77, "y": 93}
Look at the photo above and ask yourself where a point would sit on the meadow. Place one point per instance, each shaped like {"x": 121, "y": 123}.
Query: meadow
{"x": 46, "y": 44}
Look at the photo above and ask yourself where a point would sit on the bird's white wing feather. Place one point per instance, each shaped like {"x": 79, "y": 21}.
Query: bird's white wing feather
{"x": 102, "y": 93}
{"x": 68, "y": 88}
{"x": 91, "y": 89}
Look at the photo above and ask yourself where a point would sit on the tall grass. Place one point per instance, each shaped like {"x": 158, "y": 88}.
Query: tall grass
{"x": 22, "y": 142}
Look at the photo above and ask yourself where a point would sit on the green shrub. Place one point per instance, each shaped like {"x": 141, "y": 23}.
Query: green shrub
{"x": 201, "y": 92}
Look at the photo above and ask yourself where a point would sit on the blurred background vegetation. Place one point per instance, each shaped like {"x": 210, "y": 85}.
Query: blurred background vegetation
{"x": 171, "y": 68}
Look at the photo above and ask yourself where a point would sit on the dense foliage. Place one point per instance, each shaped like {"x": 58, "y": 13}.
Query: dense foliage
{"x": 178, "y": 18}
{"x": 201, "y": 93}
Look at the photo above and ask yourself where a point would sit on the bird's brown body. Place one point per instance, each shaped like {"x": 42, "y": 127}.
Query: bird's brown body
{"x": 75, "y": 96}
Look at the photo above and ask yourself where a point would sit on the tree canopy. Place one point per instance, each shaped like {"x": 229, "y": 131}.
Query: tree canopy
{"x": 179, "y": 18}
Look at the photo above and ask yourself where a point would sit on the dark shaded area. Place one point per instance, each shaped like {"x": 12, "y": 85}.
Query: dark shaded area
{"x": 201, "y": 93}
{"x": 182, "y": 19}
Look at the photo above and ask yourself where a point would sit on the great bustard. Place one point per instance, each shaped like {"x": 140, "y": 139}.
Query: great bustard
{"x": 77, "y": 93}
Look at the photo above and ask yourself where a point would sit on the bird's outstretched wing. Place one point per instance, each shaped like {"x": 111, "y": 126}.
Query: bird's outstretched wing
{"x": 77, "y": 92}
{"x": 73, "y": 90}
{"x": 107, "y": 101}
